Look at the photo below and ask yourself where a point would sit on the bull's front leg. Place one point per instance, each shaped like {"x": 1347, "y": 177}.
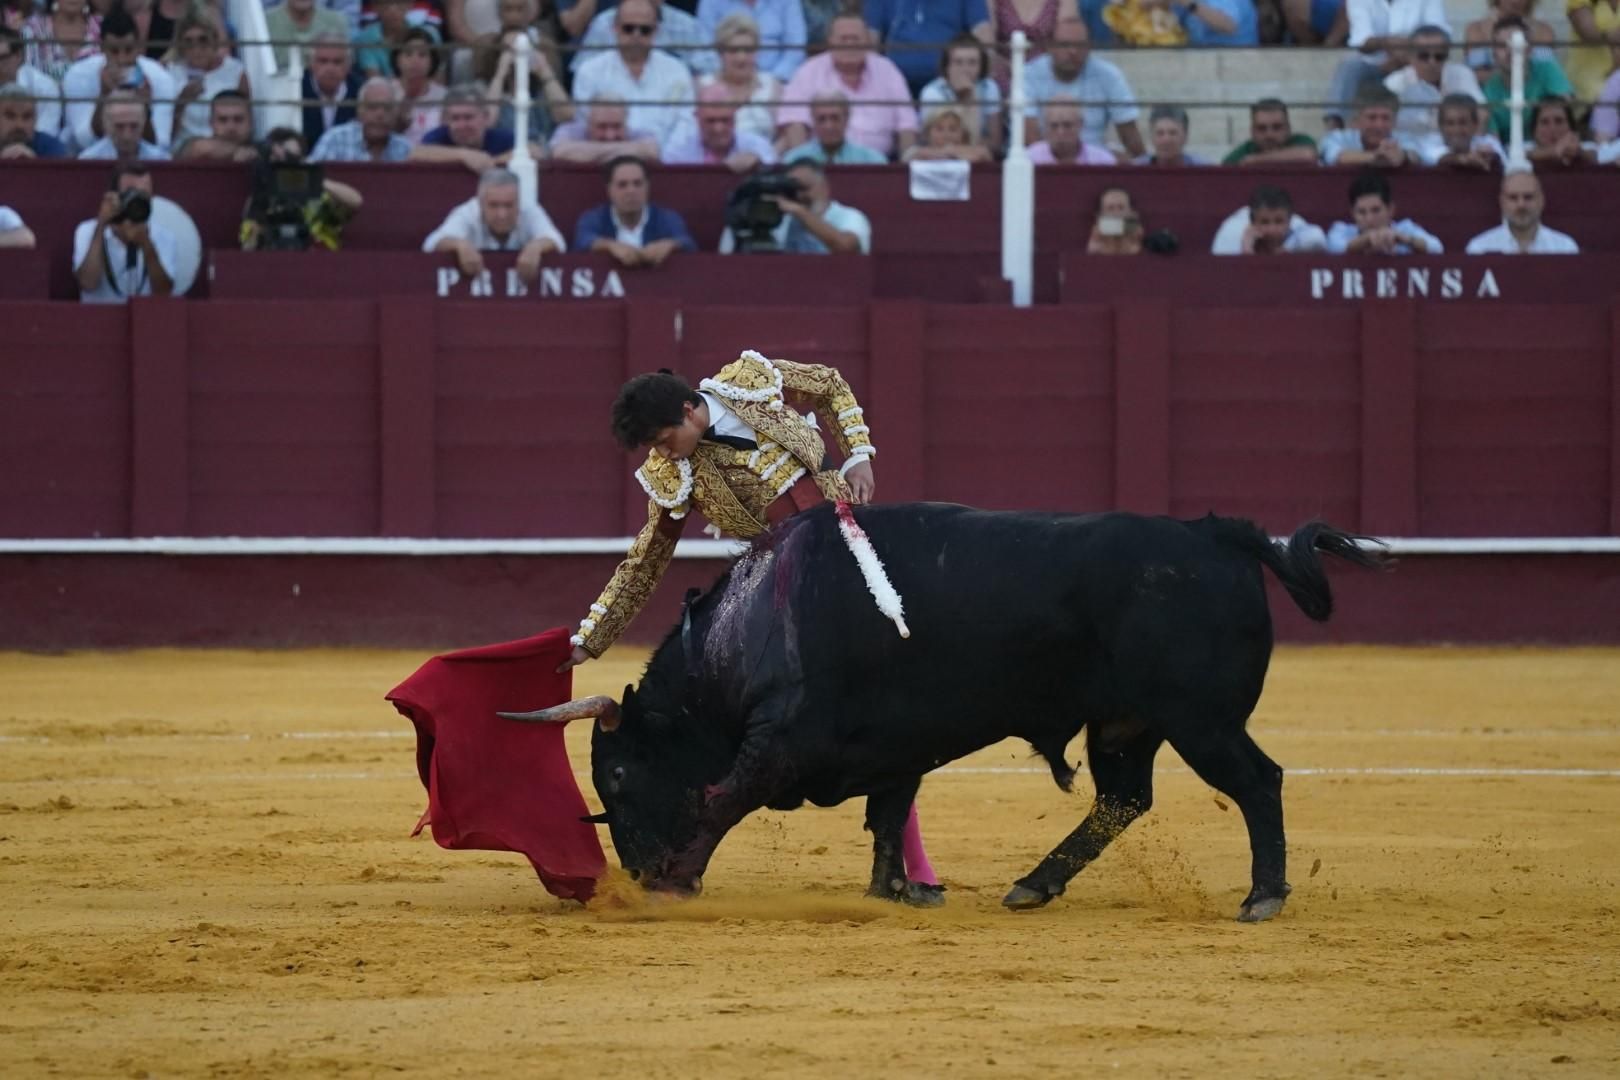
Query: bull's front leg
{"x": 886, "y": 813}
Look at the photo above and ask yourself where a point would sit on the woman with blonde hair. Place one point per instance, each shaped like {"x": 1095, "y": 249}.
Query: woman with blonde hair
{"x": 964, "y": 80}
{"x": 201, "y": 69}
{"x": 947, "y": 132}
{"x": 754, "y": 92}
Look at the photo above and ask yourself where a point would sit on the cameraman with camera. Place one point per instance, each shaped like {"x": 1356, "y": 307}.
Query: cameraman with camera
{"x": 294, "y": 205}
{"x": 120, "y": 253}
{"x": 793, "y": 212}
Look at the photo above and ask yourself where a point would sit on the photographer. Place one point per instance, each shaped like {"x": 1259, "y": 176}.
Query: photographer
{"x": 120, "y": 253}
{"x": 294, "y": 206}
{"x": 808, "y": 223}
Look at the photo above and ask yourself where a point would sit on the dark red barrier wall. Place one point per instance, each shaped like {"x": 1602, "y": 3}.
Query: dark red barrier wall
{"x": 487, "y": 419}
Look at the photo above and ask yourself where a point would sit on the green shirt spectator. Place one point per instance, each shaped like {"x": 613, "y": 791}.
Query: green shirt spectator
{"x": 1542, "y": 78}
{"x": 1249, "y": 148}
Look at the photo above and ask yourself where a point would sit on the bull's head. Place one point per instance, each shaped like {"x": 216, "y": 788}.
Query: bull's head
{"x": 651, "y": 764}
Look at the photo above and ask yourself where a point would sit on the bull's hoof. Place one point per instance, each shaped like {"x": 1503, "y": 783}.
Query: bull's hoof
{"x": 1024, "y": 898}
{"x": 919, "y": 895}
{"x": 1261, "y": 908}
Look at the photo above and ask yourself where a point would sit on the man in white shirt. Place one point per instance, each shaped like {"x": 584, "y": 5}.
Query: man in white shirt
{"x": 119, "y": 66}
{"x": 1521, "y": 231}
{"x": 40, "y": 86}
{"x": 1267, "y": 226}
{"x": 658, "y": 86}
{"x": 1381, "y": 30}
{"x": 1458, "y": 144}
{"x": 1374, "y": 230}
{"x": 493, "y": 220}
{"x": 1430, "y": 78}
{"x": 813, "y": 224}
{"x": 119, "y": 253}
{"x": 679, "y": 34}
{"x": 123, "y": 118}
{"x": 1069, "y": 70}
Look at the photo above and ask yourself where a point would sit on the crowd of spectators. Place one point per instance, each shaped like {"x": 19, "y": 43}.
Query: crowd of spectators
{"x": 799, "y": 85}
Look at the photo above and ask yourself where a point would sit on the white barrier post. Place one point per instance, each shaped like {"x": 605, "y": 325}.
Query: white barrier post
{"x": 522, "y": 162}
{"x": 1018, "y": 190}
{"x": 1517, "y": 161}
{"x": 272, "y": 88}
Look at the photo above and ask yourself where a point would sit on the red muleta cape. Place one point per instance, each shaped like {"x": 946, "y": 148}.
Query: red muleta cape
{"x": 495, "y": 784}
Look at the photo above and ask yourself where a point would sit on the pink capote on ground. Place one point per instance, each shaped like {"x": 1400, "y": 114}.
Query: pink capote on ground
{"x": 495, "y": 784}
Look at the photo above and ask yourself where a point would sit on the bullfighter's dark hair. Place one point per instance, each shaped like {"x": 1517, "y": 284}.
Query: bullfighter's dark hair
{"x": 647, "y": 404}
{"x": 1371, "y": 183}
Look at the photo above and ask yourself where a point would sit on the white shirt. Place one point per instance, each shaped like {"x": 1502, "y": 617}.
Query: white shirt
{"x": 1420, "y": 113}
{"x": 1501, "y": 241}
{"x": 83, "y": 80}
{"x": 466, "y": 222}
{"x": 630, "y": 234}
{"x": 1340, "y": 233}
{"x": 47, "y": 99}
{"x": 1392, "y": 18}
{"x": 10, "y": 220}
{"x": 1099, "y": 81}
{"x": 130, "y": 280}
{"x": 193, "y": 122}
{"x": 724, "y": 421}
{"x": 663, "y": 79}
{"x": 104, "y": 150}
{"x": 1302, "y": 235}
{"x": 1434, "y": 148}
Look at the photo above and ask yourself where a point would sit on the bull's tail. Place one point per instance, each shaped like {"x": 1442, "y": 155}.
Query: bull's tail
{"x": 1298, "y": 564}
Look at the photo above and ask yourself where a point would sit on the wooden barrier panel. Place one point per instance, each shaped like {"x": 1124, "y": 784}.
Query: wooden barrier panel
{"x": 473, "y": 418}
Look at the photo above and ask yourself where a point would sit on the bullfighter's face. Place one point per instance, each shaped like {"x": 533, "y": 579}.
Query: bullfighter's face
{"x": 678, "y": 441}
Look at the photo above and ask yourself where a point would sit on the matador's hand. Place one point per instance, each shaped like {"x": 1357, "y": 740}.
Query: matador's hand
{"x": 575, "y": 658}
{"x": 862, "y": 486}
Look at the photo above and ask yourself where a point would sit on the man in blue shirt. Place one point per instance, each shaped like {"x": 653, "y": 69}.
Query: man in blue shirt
{"x": 465, "y": 135}
{"x": 628, "y": 227}
{"x": 1375, "y": 230}
{"x": 923, "y": 22}
{"x": 18, "y": 137}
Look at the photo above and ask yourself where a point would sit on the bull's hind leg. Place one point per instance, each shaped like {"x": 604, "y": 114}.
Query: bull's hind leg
{"x": 1124, "y": 780}
{"x": 1232, "y": 764}
{"x": 886, "y": 813}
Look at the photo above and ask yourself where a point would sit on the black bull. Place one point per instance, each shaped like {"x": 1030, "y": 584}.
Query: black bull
{"x": 785, "y": 684}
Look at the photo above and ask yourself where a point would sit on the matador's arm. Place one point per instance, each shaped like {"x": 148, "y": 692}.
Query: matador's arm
{"x": 633, "y": 582}
{"x": 833, "y": 400}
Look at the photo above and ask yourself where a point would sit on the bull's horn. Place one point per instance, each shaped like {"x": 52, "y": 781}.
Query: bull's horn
{"x": 602, "y": 707}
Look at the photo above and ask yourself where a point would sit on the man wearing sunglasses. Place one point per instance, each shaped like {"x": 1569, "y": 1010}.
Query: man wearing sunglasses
{"x": 675, "y": 31}
{"x": 657, "y": 87}
{"x": 1431, "y": 77}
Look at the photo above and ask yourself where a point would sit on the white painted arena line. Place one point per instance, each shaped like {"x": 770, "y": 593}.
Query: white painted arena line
{"x": 1397, "y": 771}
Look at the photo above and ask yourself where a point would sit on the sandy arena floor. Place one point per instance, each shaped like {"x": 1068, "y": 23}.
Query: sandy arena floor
{"x": 206, "y": 872}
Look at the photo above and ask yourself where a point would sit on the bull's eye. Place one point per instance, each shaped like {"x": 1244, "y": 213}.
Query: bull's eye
{"x": 615, "y": 778}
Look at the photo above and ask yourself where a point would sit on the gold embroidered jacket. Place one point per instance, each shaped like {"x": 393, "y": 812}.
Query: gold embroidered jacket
{"x": 733, "y": 487}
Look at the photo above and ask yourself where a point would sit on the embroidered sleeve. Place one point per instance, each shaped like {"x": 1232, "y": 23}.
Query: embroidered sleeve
{"x": 632, "y": 583}
{"x": 833, "y": 399}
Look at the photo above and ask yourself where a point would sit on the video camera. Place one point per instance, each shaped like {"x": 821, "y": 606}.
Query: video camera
{"x": 282, "y": 192}
{"x": 134, "y": 207}
{"x": 752, "y": 217}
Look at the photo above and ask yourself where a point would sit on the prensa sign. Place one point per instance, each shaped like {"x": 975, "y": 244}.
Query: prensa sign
{"x": 571, "y": 283}
{"x": 1403, "y": 283}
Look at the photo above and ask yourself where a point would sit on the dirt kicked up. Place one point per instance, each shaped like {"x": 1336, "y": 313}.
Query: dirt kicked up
{"x": 206, "y": 871}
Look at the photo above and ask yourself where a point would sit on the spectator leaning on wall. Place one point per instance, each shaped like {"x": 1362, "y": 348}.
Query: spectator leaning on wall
{"x": 1375, "y": 230}
{"x": 600, "y": 133}
{"x": 829, "y": 117}
{"x": 1272, "y": 140}
{"x": 1521, "y": 231}
{"x": 495, "y": 220}
{"x": 120, "y": 253}
{"x": 372, "y": 134}
{"x": 1371, "y": 139}
{"x": 1063, "y": 144}
{"x": 124, "y": 119}
{"x": 629, "y": 227}
{"x": 1458, "y": 144}
{"x": 230, "y": 132}
{"x": 1267, "y": 226}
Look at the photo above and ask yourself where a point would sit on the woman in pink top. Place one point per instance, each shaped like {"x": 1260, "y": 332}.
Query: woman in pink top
{"x": 1036, "y": 18}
